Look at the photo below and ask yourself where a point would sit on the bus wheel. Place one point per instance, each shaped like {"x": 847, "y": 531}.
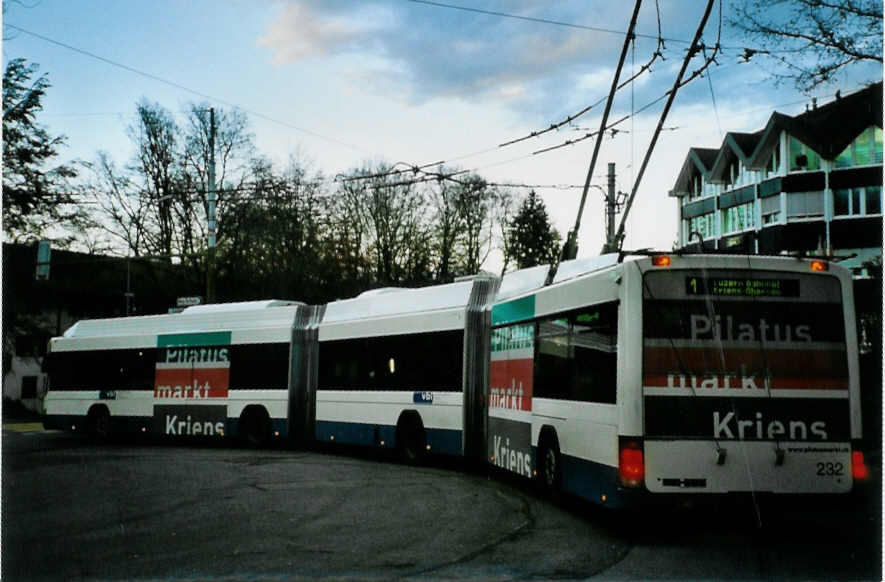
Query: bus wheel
{"x": 550, "y": 469}
{"x": 254, "y": 427}
{"x": 98, "y": 423}
{"x": 410, "y": 440}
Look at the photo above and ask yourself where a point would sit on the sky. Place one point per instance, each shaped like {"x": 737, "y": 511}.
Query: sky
{"x": 339, "y": 83}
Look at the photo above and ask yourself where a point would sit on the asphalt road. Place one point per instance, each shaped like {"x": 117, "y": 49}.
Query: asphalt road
{"x": 73, "y": 510}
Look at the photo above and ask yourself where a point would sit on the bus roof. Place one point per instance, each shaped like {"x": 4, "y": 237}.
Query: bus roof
{"x": 525, "y": 280}
{"x": 142, "y": 331}
{"x": 399, "y": 301}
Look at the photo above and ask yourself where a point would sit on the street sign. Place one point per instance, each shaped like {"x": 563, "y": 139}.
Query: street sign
{"x": 44, "y": 252}
{"x": 188, "y": 301}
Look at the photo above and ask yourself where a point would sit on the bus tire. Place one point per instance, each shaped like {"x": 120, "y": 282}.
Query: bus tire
{"x": 411, "y": 441}
{"x": 254, "y": 426}
{"x": 98, "y": 423}
{"x": 550, "y": 466}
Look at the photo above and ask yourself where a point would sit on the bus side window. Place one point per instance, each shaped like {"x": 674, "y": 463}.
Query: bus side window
{"x": 259, "y": 366}
{"x": 595, "y": 341}
{"x": 141, "y": 368}
{"x": 343, "y": 365}
{"x": 554, "y": 359}
{"x": 407, "y": 362}
{"x": 576, "y": 357}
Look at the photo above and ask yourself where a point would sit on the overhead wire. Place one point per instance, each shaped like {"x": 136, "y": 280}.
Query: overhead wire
{"x": 536, "y": 20}
{"x": 710, "y": 79}
{"x": 658, "y": 53}
{"x": 646, "y": 67}
{"x": 176, "y": 85}
{"x": 692, "y": 51}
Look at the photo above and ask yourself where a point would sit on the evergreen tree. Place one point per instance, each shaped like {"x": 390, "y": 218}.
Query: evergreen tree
{"x": 531, "y": 239}
{"x": 35, "y": 196}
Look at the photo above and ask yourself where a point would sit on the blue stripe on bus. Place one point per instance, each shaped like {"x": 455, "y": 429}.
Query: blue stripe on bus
{"x": 135, "y": 424}
{"x": 445, "y": 441}
{"x": 590, "y": 480}
{"x": 277, "y": 425}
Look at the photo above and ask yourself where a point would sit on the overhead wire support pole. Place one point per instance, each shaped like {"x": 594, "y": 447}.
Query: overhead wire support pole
{"x": 692, "y": 51}
{"x": 611, "y": 205}
{"x": 569, "y": 248}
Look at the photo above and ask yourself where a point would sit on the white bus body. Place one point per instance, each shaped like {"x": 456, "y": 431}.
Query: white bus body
{"x": 184, "y": 374}
{"x": 648, "y": 377}
{"x": 746, "y": 382}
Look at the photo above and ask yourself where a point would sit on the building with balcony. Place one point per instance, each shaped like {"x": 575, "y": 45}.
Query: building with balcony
{"x": 805, "y": 183}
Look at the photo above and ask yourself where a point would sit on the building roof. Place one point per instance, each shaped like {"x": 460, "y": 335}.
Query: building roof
{"x": 698, "y": 161}
{"x": 827, "y": 129}
{"x": 735, "y": 146}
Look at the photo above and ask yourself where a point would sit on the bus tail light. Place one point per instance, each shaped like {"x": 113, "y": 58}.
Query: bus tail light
{"x": 859, "y": 469}
{"x": 661, "y": 260}
{"x": 631, "y": 462}
{"x": 819, "y": 265}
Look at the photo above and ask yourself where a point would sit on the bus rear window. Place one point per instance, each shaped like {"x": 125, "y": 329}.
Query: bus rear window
{"x": 723, "y": 336}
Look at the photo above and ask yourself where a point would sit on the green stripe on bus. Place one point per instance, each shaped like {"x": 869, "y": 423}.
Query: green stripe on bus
{"x": 516, "y": 310}
{"x": 211, "y": 338}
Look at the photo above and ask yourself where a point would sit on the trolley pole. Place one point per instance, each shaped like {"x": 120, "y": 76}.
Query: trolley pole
{"x": 210, "y": 214}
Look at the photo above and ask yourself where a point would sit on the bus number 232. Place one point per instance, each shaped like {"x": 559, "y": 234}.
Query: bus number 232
{"x": 830, "y": 469}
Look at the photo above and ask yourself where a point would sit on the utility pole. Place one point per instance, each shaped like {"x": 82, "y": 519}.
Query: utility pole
{"x": 611, "y": 204}
{"x": 210, "y": 255}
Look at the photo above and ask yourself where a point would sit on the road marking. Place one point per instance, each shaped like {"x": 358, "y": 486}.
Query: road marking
{"x": 25, "y": 427}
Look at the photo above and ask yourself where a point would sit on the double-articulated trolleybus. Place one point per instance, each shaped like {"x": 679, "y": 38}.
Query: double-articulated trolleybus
{"x": 622, "y": 381}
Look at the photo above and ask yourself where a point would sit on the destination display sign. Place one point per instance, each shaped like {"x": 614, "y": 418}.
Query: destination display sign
{"x": 741, "y": 287}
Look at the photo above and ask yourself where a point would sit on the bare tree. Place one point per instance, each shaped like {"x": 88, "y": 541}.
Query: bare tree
{"x": 233, "y": 160}
{"x": 391, "y": 216}
{"x": 122, "y": 206}
{"x": 155, "y": 135}
{"x": 480, "y": 206}
{"x": 447, "y": 225}
{"x": 811, "y": 41}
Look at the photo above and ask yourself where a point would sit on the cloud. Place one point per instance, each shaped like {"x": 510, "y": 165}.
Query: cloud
{"x": 434, "y": 52}
{"x": 302, "y": 31}
{"x": 417, "y": 53}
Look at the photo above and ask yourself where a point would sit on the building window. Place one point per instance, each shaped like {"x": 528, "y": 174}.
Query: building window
{"x": 710, "y": 189}
{"x": 732, "y": 175}
{"x": 738, "y": 218}
{"x": 802, "y": 157}
{"x": 700, "y": 188}
{"x": 866, "y": 149}
{"x": 774, "y": 162}
{"x": 857, "y": 201}
{"x": 770, "y": 209}
{"x": 873, "y": 200}
{"x": 703, "y": 225}
{"x": 805, "y": 205}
